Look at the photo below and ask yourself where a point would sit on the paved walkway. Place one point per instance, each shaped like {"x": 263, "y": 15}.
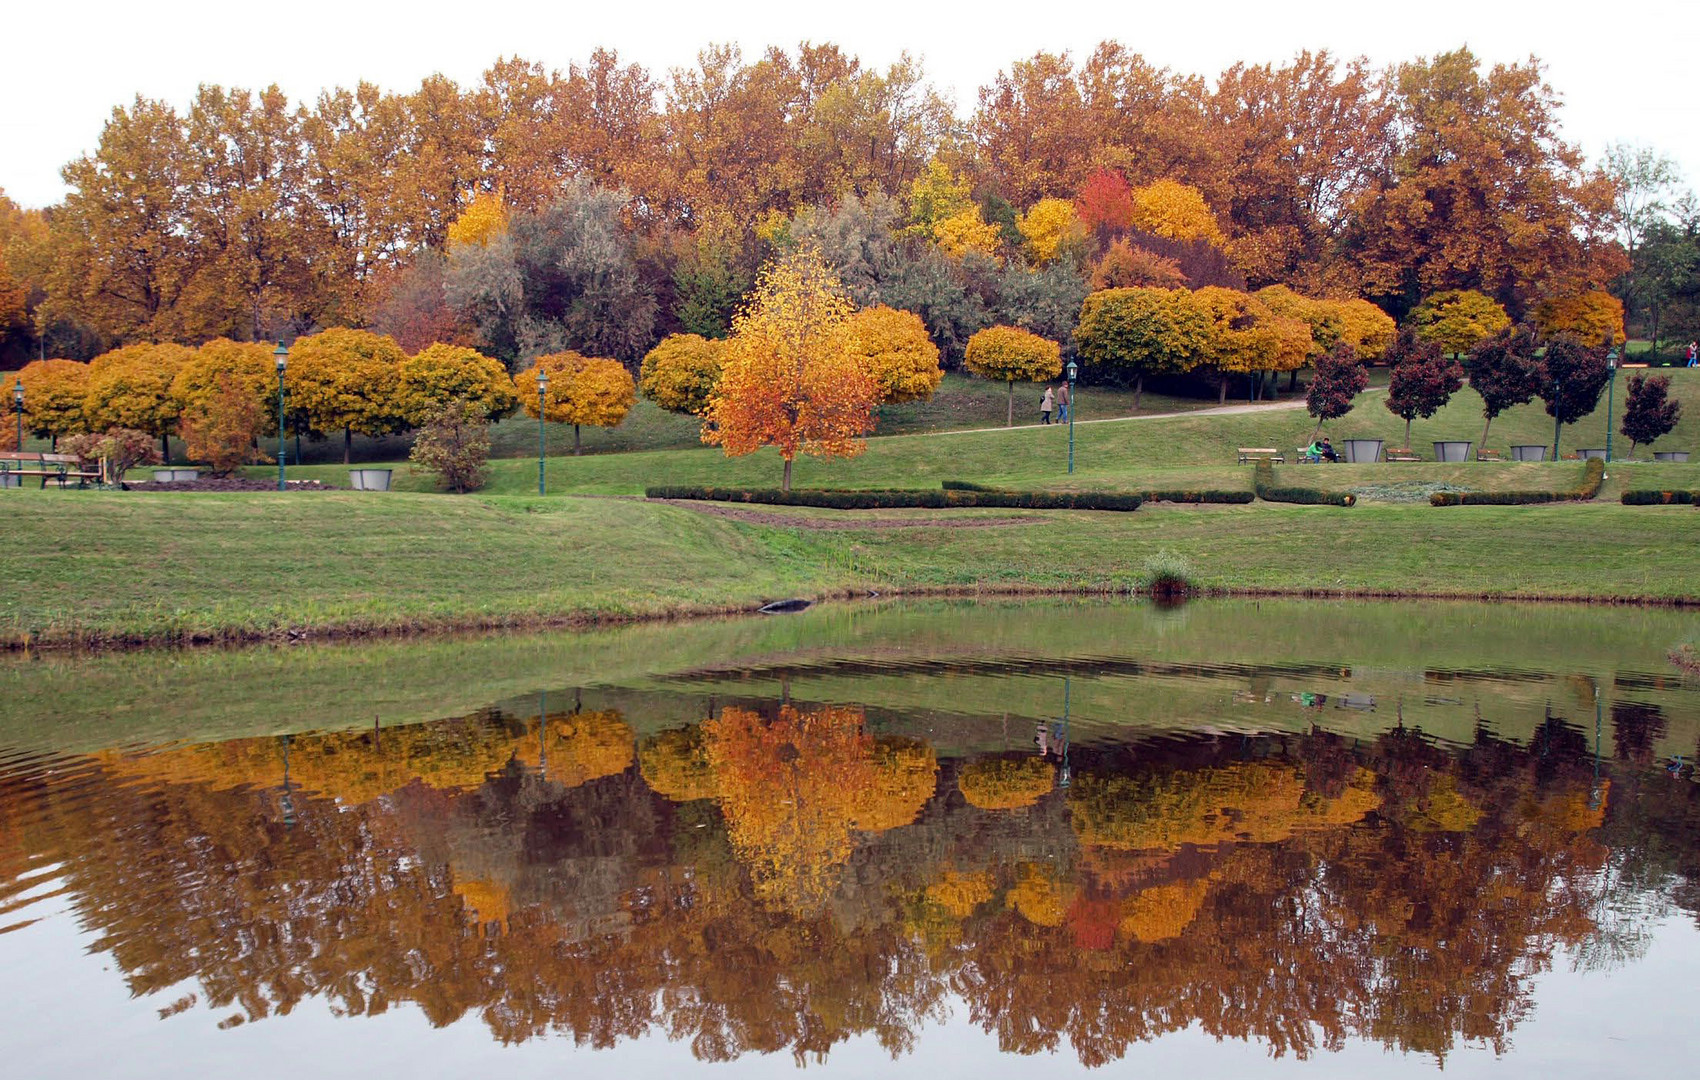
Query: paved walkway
{"x": 1214, "y": 410}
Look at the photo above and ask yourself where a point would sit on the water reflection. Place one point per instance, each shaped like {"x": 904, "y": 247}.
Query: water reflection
{"x": 785, "y": 876}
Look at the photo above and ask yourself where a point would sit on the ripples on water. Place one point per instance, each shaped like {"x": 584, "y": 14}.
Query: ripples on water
{"x": 739, "y": 860}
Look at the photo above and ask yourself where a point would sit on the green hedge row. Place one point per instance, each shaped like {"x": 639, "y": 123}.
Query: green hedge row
{"x": 1661, "y": 498}
{"x": 1208, "y": 495}
{"x": 1263, "y": 482}
{"x": 1593, "y": 474}
{"x": 900, "y": 499}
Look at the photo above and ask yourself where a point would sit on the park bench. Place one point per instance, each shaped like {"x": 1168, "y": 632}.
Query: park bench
{"x": 1250, "y": 454}
{"x": 62, "y": 468}
{"x": 1488, "y": 455}
{"x": 1402, "y": 453}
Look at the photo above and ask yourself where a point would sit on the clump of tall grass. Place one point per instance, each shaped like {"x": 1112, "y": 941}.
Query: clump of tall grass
{"x": 1168, "y": 575}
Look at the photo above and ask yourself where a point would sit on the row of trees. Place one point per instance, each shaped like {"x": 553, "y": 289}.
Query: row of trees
{"x": 632, "y": 206}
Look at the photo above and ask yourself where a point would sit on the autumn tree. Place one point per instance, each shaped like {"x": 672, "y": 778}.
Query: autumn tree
{"x": 1648, "y": 414}
{"x": 1052, "y": 230}
{"x": 1594, "y": 316}
{"x": 221, "y": 423}
{"x": 347, "y": 379}
{"x": 221, "y": 367}
{"x": 1124, "y": 266}
{"x": 1573, "y": 375}
{"x": 1175, "y": 211}
{"x": 1504, "y": 372}
{"x": 115, "y": 451}
{"x": 1140, "y": 332}
{"x": 582, "y": 390}
{"x": 1458, "y": 320}
{"x": 896, "y": 352}
{"x": 1245, "y": 336}
{"x": 1105, "y": 203}
{"x": 55, "y": 392}
{"x": 1424, "y": 379}
{"x": 942, "y": 209}
{"x": 1339, "y": 379}
{"x": 1012, "y": 355}
{"x": 454, "y": 443}
{"x": 789, "y": 379}
{"x": 681, "y": 372}
{"x": 131, "y": 388}
{"x": 439, "y": 374}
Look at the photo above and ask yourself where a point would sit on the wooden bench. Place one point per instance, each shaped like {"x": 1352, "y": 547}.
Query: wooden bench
{"x": 62, "y": 468}
{"x": 1402, "y": 453}
{"x": 1488, "y": 455}
{"x": 1249, "y": 454}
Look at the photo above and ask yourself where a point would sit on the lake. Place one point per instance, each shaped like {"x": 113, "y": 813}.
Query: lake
{"x": 1234, "y": 838}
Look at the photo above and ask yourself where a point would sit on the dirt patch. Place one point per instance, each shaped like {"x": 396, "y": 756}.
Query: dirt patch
{"x": 764, "y": 517}
{"x": 230, "y": 483}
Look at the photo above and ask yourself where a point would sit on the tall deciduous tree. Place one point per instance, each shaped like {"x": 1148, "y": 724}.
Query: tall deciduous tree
{"x": 1504, "y": 372}
{"x": 582, "y": 390}
{"x": 1648, "y": 413}
{"x": 1574, "y": 375}
{"x": 1339, "y": 379}
{"x": 1010, "y": 354}
{"x": 1140, "y": 332}
{"x": 1424, "y": 379}
{"x": 790, "y": 380}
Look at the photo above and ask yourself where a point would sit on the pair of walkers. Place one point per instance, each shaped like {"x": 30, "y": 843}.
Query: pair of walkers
{"x": 1056, "y": 401}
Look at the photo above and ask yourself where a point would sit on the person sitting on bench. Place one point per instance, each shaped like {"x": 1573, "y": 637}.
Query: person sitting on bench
{"x": 1322, "y": 450}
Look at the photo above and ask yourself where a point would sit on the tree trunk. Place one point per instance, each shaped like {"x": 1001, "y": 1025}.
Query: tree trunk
{"x": 347, "y": 444}
{"x": 297, "y": 446}
{"x": 1292, "y": 380}
{"x": 1631, "y": 449}
{"x": 1485, "y": 427}
{"x": 1138, "y": 389}
{"x": 576, "y": 446}
{"x": 1557, "y": 427}
{"x": 165, "y": 449}
{"x": 1317, "y": 430}
{"x": 1221, "y": 388}
{"x": 1408, "y": 433}
{"x": 785, "y": 484}
{"x": 1009, "y": 420}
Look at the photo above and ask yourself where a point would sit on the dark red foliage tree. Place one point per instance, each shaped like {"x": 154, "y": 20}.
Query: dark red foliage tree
{"x": 1338, "y": 379}
{"x": 1574, "y": 377}
{"x": 1648, "y": 413}
{"x": 1424, "y": 379}
{"x": 1505, "y": 372}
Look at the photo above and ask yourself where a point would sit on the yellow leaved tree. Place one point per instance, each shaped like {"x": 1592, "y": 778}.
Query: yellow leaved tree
{"x": 1052, "y": 228}
{"x": 942, "y": 209}
{"x": 582, "y": 390}
{"x": 897, "y": 353}
{"x": 790, "y": 379}
{"x": 1011, "y": 355}
{"x": 347, "y": 379}
{"x": 1459, "y": 319}
{"x": 681, "y": 372}
{"x": 221, "y": 364}
{"x": 484, "y": 219}
{"x": 439, "y": 374}
{"x": 54, "y": 396}
{"x": 1174, "y": 210}
{"x": 1590, "y": 317}
{"x": 130, "y": 387}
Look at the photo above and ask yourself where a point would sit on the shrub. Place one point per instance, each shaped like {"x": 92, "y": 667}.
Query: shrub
{"x": 1661, "y": 498}
{"x": 1263, "y": 482}
{"x": 891, "y": 499}
{"x": 121, "y": 448}
{"x": 454, "y": 443}
{"x": 1168, "y": 574}
{"x": 1202, "y": 495}
{"x": 1593, "y": 474}
{"x": 221, "y": 422}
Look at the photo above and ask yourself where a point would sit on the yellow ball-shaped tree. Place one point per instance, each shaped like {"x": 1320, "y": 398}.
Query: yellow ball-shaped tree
{"x": 681, "y": 372}
{"x": 1006, "y": 783}
{"x": 1010, "y": 354}
{"x": 581, "y": 390}
{"x": 897, "y": 353}
{"x": 439, "y": 374}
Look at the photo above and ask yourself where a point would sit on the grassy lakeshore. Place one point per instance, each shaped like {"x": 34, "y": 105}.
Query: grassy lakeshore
{"x": 108, "y": 567}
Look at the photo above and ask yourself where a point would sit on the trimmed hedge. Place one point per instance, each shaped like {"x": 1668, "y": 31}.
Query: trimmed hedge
{"x": 1263, "y": 482}
{"x": 1203, "y": 495}
{"x": 1593, "y": 474}
{"x": 1661, "y": 498}
{"x": 891, "y": 499}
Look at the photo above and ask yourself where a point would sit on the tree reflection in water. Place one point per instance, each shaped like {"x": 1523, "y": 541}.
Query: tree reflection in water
{"x": 784, "y": 878}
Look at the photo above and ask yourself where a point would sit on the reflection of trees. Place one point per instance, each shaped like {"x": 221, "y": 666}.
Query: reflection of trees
{"x": 1006, "y": 783}
{"x": 788, "y": 882}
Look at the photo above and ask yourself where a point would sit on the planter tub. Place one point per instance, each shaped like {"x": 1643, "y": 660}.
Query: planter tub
{"x": 369, "y": 479}
{"x": 1595, "y": 452}
{"x": 1361, "y": 451}
{"x": 1526, "y": 452}
{"x": 1670, "y": 455}
{"x": 1452, "y": 451}
{"x": 11, "y": 479}
{"x": 167, "y": 476}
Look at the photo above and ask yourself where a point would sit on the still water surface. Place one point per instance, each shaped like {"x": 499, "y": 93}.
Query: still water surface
{"x": 1234, "y": 839}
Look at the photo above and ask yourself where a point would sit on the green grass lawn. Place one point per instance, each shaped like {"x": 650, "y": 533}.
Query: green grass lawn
{"x": 1123, "y": 454}
{"x": 183, "y": 566}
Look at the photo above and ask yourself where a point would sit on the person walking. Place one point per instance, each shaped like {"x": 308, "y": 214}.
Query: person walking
{"x": 1693, "y": 354}
{"x": 1062, "y": 403}
{"x": 1046, "y": 404}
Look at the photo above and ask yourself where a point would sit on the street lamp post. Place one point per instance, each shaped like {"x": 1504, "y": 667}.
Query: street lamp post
{"x": 542, "y": 403}
{"x": 1611, "y": 386}
{"x": 282, "y": 355}
{"x": 1072, "y": 370}
{"x": 18, "y": 407}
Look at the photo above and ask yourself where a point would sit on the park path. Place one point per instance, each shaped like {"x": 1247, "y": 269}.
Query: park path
{"x": 1214, "y": 410}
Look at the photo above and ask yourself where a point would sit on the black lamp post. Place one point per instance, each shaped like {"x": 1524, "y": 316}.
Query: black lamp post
{"x": 1072, "y": 371}
{"x": 1611, "y": 387}
{"x": 18, "y": 407}
{"x": 542, "y": 404}
{"x": 282, "y": 355}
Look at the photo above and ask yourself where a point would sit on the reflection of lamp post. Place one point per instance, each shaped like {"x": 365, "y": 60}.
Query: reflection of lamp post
{"x": 1064, "y": 778}
{"x": 1611, "y": 363}
{"x": 542, "y": 401}
{"x": 1072, "y": 369}
{"x": 282, "y": 355}
{"x": 286, "y": 803}
{"x": 1596, "y": 792}
{"x": 18, "y": 407}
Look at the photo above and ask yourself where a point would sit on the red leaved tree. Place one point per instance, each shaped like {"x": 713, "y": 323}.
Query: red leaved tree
{"x": 1338, "y": 379}
{"x": 1424, "y": 379}
{"x": 1505, "y": 372}
{"x": 1648, "y": 413}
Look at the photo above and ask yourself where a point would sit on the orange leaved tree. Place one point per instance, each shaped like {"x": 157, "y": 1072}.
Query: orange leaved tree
{"x": 1012, "y": 354}
{"x": 582, "y": 390}
{"x": 791, "y": 378}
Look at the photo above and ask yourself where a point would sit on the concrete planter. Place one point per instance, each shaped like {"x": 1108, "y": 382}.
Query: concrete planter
{"x": 1595, "y": 452}
{"x": 1361, "y": 451}
{"x": 369, "y": 479}
{"x": 167, "y": 476}
{"x": 1452, "y": 451}
{"x": 1670, "y": 455}
{"x": 1527, "y": 452}
{"x": 11, "y": 479}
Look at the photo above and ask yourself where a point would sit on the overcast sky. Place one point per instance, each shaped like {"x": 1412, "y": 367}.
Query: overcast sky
{"x": 1628, "y": 71}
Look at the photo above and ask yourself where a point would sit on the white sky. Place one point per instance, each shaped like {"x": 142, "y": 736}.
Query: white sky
{"x": 1629, "y": 71}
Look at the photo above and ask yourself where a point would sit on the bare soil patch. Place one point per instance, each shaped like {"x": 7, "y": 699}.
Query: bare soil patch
{"x": 231, "y": 483}
{"x": 763, "y": 517}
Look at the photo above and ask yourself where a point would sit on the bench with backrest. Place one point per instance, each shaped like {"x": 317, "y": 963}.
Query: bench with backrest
{"x": 1488, "y": 455}
{"x": 61, "y": 468}
{"x": 1401, "y": 453}
{"x": 1249, "y": 454}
